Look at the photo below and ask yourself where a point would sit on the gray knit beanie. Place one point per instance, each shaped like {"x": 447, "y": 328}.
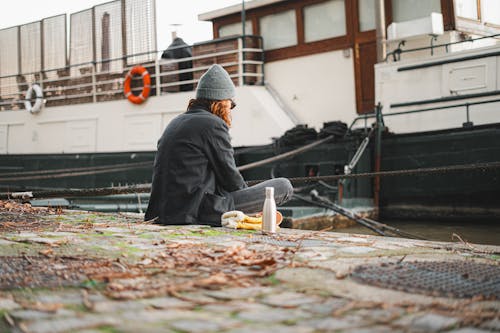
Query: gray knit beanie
{"x": 215, "y": 84}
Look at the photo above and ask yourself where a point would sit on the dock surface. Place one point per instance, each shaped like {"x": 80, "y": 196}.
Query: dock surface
{"x": 64, "y": 271}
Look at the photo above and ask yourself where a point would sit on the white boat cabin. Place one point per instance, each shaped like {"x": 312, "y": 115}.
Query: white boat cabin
{"x": 299, "y": 62}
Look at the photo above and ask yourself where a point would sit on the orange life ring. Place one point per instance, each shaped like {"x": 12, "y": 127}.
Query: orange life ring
{"x": 146, "y": 82}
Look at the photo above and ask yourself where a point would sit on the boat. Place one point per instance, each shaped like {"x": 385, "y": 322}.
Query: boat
{"x": 407, "y": 98}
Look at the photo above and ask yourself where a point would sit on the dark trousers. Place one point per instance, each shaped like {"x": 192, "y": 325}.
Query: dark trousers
{"x": 250, "y": 200}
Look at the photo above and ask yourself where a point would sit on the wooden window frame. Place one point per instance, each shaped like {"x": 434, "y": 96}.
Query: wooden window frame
{"x": 487, "y": 24}
{"x": 478, "y": 20}
{"x": 448, "y": 14}
{"x": 302, "y": 48}
{"x": 446, "y": 10}
{"x": 326, "y": 45}
{"x": 478, "y": 27}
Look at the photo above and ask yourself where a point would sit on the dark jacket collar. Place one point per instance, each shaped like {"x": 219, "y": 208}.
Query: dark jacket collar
{"x": 197, "y": 109}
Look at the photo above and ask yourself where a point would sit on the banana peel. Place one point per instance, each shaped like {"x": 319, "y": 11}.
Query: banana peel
{"x": 236, "y": 219}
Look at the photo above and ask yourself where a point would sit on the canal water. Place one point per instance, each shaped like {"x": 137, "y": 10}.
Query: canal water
{"x": 478, "y": 232}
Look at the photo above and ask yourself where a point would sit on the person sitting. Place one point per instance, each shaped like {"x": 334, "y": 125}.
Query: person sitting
{"x": 195, "y": 179}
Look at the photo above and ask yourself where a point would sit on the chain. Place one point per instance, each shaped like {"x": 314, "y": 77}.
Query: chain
{"x": 420, "y": 171}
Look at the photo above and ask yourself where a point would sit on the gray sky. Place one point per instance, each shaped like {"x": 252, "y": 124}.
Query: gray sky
{"x": 168, "y": 12}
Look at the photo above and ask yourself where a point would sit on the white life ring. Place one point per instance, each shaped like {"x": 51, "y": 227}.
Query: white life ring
{"x": 38, "y": 99}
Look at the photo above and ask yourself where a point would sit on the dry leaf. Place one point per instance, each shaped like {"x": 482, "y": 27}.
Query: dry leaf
{"x": 47, "y": 252}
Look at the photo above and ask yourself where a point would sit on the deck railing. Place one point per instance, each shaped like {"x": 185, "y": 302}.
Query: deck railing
{"x": 93, "y": 82}
{"x": 464, "y": 108}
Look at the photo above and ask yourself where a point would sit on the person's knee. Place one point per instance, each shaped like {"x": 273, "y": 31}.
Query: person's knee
{"x": 289, "y": 186}
{"x": 287, "y": 189}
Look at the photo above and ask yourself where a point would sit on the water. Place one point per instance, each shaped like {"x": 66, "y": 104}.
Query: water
{"x": 478, "y": 232}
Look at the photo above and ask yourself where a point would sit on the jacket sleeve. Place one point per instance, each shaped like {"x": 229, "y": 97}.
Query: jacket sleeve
{"x": 221, "y": 156}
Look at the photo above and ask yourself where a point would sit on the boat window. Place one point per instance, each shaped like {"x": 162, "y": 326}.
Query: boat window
{"x": 480, "y": 17}
{"x": 279, "y": 30}
{"x": 406, "y": 10}
{"x": 235, "y": 29}
{"x": 491, "y": 11}
{"x": 467, "y": 9}
{"x": 324, "y": 20}
{"x": 366, "y": 15}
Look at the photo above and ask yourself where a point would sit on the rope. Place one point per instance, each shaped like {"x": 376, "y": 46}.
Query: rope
{"x": 80, "y": 192}
{"x": 284, "y": 155}
{"x": 51, "y": 174}
{"x": 433, "y": 170}
{"x": 74, "y": 172}
{"x": 297, "y": 180}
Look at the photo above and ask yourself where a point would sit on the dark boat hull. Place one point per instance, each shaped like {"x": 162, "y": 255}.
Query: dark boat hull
{"x": 471, "y": 194}
{"x": 460, "y": 195}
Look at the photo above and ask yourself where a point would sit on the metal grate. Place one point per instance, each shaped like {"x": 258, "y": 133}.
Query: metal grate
{"x": 81, "y": 50}
{"x": 450, "y": 279}
{"x": 140, "y": 26}
{"x": 54, "y": 44}
{"x": 108, "y": 36}
{"x": 9, "y": 65}
{"x": 31, "y": 50}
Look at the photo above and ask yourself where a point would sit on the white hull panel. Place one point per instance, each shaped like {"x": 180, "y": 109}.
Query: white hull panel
{"x": 442, "y": 84}
{"x": 118, "y": 126}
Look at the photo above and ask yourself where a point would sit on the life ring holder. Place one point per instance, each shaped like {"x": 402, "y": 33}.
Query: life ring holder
{"x": 34, "y": 108}
{"x": 146, "y": 85}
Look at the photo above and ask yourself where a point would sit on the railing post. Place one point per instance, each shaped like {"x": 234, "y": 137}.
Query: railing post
{"x": 41, "y": 87}
{"x": 41, "y": 80}
{"x": 94, "y": 81}
{"x": 468, "y": 123}
{"x": 378, "y": 156}
{"x": 240, "y": 62}
{"x": 157, "y": 77}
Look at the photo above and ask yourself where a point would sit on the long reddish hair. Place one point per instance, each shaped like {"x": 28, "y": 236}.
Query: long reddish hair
{"x": 215, "y": 107}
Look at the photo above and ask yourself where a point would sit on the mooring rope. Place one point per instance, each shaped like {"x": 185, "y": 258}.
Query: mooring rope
{"x": 72, "y": 172}
{"x": 83, "y": 171}
{"x": 141, "y": 188}
{"x": 425, "y": 171}
{"x": 284, "y": 155}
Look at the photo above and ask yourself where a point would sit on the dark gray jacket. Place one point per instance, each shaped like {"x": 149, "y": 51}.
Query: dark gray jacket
{"x": 193, "y": 172}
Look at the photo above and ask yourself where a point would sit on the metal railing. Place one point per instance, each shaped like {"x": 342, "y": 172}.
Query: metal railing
{"x": 396, "y": 53}
{"x": 467, "y": 107}
{"x": 84, "y": 83}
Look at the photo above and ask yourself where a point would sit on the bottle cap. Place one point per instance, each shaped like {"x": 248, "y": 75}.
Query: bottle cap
{"x": 269, "y": 192}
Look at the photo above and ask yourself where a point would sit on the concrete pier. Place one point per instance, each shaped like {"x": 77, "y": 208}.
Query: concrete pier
{"x": 63, "y": 271}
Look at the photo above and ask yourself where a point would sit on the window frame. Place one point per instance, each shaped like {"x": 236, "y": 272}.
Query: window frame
{"x": 353, "y": 35}
{"x": 238, "y": 21}
{"x": 447, "y": 10}
{"x": 302, "y": 48}
{"x": 319, "y": 3}
{"x": 294, "y": 12}
{"x": 488, "y": 24}
{"x": 478, "y": 27}
{"x": 478, "y": 20}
